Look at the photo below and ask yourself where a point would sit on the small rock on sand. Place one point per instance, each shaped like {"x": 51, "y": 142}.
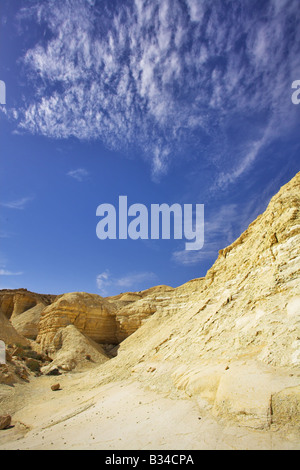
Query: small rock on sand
{"x": 55, "y": 387}
{"x": 5, "y": 422}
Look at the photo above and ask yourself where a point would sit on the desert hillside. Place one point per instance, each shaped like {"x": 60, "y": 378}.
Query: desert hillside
{"x": 231, "y": 340}
{"x": 224, "y": 348}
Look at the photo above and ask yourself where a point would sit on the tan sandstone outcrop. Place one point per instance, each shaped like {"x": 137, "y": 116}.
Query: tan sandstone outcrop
{"x": 89, "y": 313}
{"x": 70, "y": 349}
{"x": 27, "y": 323}
{"x": 232, "y": 339}
{"x": 8, "y": 334}
{"x": 105, "y": 320}
{"x": 10, "y": 337}
{"x": 13, "y": 302}
{"x": 134, "y": 308}
{"x": 23, "y": 308}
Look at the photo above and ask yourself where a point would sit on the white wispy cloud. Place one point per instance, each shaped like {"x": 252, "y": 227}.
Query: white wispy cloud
{"x": 191, "y": 258}
{"x": 131, "y": 280}
{"x": 105, "y": 281}
{"x": 5, "y": 272}
{"x": 223, "y": 226}
{"x": 80, "y": 174}
{"x": 18, "y": 204}
{"x": 163, "y": 75}
{"x": 218, "y": 228}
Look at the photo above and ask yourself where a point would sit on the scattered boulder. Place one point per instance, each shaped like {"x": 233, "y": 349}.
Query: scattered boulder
{"x": 55, "y": 387}
{"x": 22, "y": 373}
{"x": 21, "y": 362}
{"x": 5, "y": 422}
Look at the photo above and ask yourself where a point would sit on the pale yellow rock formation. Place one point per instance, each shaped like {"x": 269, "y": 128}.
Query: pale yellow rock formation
{"x": 72, "y": 348}
{"x": 134, "y": 308}
{"x": 14, "y": 302}
{"x": 90, "y": 313}
{"x": 285, "y": 406}
{"x": 105, "y": 320}
{"x": 27, "y": 323}
{"x": 8, "y": 334}
{"x": 223, "y": 348}
{"x": 23, "y": 308}
{"x": 232, "y": 339}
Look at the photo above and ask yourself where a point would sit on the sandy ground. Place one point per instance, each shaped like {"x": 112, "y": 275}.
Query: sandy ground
{"x": 116, "y": 416}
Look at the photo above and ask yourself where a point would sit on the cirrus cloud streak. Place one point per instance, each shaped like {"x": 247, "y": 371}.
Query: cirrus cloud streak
{"x": 163, "y": 77}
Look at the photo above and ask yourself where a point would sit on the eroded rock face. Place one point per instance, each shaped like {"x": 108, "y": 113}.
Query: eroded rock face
{"x": 104, "y": 320}
{"x": 133, "y": 309}
{"x": 249, "y": 301}
{"x": 23, "y": 309}
{"x": 230, "y": 340}
{"x": 14, "y": 302}
{"x": 8, "y": 334}
{"x": 70, "y": 349}
{"x": 89, "y": 313}
{"x": 27, "y": 323}
{"x": 238, "y": 327}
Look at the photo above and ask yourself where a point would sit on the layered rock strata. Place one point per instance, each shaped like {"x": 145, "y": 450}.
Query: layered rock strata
{"x": 232, "y": 339}
{"x": 89, "y": 313}
{"x": 14, "y": 302}
{"x": 104, "y": 320}
{"x": 23, "y": 308}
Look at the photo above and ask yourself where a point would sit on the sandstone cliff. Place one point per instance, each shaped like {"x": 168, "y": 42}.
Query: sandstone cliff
{"x": 89, "y": 313}
{"x": 23, "y": 308}
{"x": 105, "y": 320}
{"x": 8, "y": 334}
{"x": 231, "y": 340}
{"x": 14, "y": 302}
{"x": 71, "y": 349}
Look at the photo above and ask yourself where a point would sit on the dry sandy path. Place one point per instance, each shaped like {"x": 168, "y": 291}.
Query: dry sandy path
{"x": 116, "y": 416}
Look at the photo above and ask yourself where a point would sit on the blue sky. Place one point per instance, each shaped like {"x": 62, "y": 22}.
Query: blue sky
{"x": 170, "y": 101}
